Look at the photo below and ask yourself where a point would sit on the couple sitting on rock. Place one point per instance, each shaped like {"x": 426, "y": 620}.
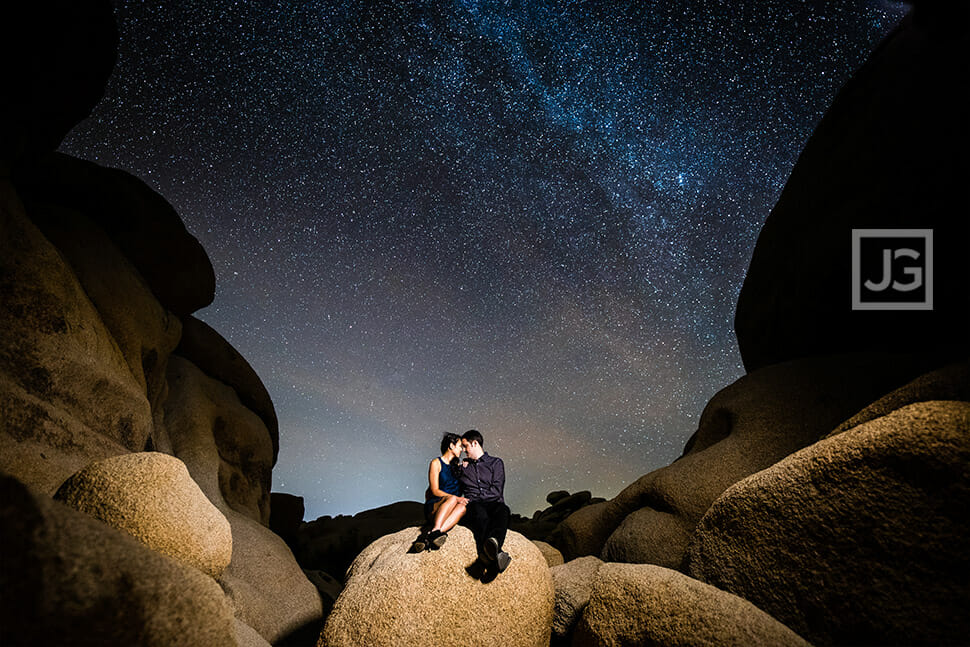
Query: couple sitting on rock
{"x": 469, "y": 490}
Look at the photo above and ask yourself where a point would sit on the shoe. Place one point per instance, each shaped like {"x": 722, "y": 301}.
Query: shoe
{"x": 490, "y": 549}
{"x": 437, "y": 539}
{"x": 502, "y": 561}
{"x": 419, "y": 544}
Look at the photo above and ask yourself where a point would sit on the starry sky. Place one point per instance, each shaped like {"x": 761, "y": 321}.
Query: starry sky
{"x": 528, "y": 218}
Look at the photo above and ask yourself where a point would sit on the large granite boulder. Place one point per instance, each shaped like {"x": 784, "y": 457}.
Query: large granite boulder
{"x": 890, "y": 153}
{"x": 393, "y": 597}
{"x": 862, "y": 538}
{"x": 228, "y": 452}
{"x": 573, "y": 582}
{"x": 69, "y": 579}
{"x": 145, "y": 332}
{"x": 215, "y": 357}
{"x": 643, "y": 604}
{"x": 139, "y": 221}
{"x": 751, "y": 424}
{"x": 67, "y": 392}
{"x": 205, "y": 416}
{"x": 60, "y": 54}
{"x": 152, "y": 497}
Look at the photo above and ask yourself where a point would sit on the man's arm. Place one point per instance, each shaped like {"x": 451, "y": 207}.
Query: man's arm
{"x": 497, "y": 489}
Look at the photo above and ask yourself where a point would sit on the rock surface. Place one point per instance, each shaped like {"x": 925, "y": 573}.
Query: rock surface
{"x": 152, "y": 497}
{"x": 67, "y": 393}
{"x": 549, "y": 552}
{"x": 210, "y": 430}
{"x": 392, "y": 597}
{"x": 891, "y": 152}
{"x": 861, "y": 538}
{"x": 573, "y": 582}
{"x": 751, "y": 424}
{"x": 66, "y": 578}
{"x": 642, "y": 604}
{"x": 215, "y": 357}
{"x": 145, "y": 332}
{"x": 226, "y": 445}
{"x": 139, "y": 221}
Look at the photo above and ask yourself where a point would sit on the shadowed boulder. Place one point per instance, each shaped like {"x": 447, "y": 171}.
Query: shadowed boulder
{"x": 143, "y": 225}
{"x": 890, "y": 153}
{"x": 392, "y": 597}
{"x": 69, "y": 579}
{"x": 642, "y": 604}
{"x": 860, "y": 539}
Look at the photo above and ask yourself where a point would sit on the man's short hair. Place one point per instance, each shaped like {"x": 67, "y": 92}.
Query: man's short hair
{"x": 473, "y": 435}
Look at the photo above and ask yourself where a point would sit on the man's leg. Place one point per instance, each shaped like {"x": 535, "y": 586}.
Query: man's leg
{"x": 498, "y": 522}
{"x": 476, "y": 520}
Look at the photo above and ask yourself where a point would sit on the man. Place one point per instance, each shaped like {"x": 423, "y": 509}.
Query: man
{"x": 482, "y": 482}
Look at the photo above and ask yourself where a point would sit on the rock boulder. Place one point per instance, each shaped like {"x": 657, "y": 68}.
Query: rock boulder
{"x": 573, "y": 582}
{"x": 152, "y": 497}
{"x": 67, "y": 578}
{"x": 890, "y": 153}
{"x": 393, "y": 597}
{"x": 643, "y": 604}
{"x": 861, "y": 538}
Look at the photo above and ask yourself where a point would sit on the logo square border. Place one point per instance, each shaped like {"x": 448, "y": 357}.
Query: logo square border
{"x": 858, "y": 235}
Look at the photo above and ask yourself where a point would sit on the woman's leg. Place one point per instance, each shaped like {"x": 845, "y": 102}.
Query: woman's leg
{"x": 457, "y": 512}
{"x": 444, "y": 508}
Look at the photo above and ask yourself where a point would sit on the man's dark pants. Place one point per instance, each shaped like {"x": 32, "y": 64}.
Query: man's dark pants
{"x": 487, "y": 519}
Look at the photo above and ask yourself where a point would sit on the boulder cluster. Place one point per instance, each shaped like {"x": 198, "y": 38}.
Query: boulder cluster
{"x": 822, "y": 500}
{"x": 136, "y": 445}
{"x": 824, "y": 496}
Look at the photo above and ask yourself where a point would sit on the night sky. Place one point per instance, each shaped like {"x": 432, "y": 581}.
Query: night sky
{"x": 529, "y": 218}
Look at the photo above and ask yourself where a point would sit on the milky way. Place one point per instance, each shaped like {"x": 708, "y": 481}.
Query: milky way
{"x": 529, "y": 218}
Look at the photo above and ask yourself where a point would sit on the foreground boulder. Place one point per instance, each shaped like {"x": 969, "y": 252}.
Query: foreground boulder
{"x": 68, "y": 579}
{"x": 152, "y": 497}
{"x": 392, "y": 597}
{"x": 746, "y": 427}
{"x": 642, "y": 604}
{"x": 573, "y": 582}
{"x": 862, "y": 538}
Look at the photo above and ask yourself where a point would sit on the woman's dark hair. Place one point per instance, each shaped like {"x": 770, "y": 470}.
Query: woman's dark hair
{"x": 448, "y": 440}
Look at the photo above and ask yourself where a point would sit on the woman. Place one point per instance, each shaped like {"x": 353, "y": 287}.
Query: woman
{"x": 443, "y": 505}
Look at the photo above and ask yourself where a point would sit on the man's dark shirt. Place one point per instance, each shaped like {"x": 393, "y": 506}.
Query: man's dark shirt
{"x": 484, "y": 479}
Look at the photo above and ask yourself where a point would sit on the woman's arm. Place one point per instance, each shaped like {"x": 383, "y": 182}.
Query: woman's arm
{"x": 434, "y": 470}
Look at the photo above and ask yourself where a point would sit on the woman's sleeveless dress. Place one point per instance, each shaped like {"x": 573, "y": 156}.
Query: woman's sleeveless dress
{"x": 447, "y": 482}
